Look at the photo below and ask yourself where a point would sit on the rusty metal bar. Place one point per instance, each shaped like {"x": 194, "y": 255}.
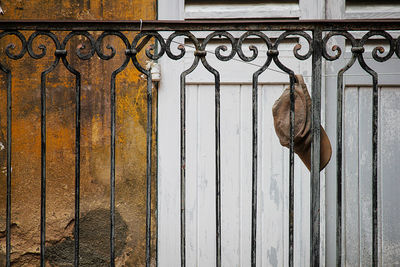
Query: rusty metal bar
{"x": 291, "y": 173}
{"x": 315, "y": 148}
{"x": 183, "y": 168}
{"x": 77, "y": 165}
{"x": 183, "y": 157}
{"x": 149, "y": 139}
{"x": 254, "y": 171}
{"x": 375, "y": 238}
{"x": 112, "y": 173}
{"x": 8, "y": 207}
{"x": 200, "y": 25}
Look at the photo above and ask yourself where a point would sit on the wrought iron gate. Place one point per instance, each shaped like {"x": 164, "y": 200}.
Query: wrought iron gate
{"x": 316, "y": 33}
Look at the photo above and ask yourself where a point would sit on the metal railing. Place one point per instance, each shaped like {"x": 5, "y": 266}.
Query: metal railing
{"x": 315, "y": 33}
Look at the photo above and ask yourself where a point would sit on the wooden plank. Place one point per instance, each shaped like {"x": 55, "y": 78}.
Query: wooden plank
{"x": 389, "y": 169}
{"x": 273, "y": 180}
{"x": 245, "y": 174}
{"x": 365, "y": 174}
{"x": 351, "y": 178}
{"x": 231, "y": 164}
{"x": 192, "y": 168}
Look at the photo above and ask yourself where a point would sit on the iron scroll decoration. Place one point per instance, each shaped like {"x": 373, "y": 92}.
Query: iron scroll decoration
{"x": 222, "y": 53}
{"x": 165, "y": 46}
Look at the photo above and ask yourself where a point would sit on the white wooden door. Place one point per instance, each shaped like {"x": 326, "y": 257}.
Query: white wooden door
{"x": 273, "y": 166}
{"x": 357, "y": 149}
{"x": 236, "y": 160}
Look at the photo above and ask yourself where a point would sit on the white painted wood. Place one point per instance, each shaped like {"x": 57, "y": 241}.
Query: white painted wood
{"x": 338, "y": 9}
{"x": 365, "y": 174}
{"x": 170, "y": 9}
{"x": 236, "y": 181}
{"x": 389, "y": 171}
{"x": 335, "y": 9}
{"x": 254, "y": 10}
{"x": 169, "y": 149}
{"x": 351, "y": 178}
{"x": 358, "y": 173}
{"x": 236, "y": 130}
{"x": 236, "y": 166}
{"x": 169, "y": 165}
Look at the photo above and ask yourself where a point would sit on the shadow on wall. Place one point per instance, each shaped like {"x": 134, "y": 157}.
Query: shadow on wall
{"x": 94, "y": 241}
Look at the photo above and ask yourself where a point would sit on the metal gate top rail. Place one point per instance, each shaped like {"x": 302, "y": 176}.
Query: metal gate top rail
{"x": 201, "y": 25}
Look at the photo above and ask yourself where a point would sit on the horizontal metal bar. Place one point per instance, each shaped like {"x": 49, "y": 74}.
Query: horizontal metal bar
{"x": 201, "y": 25}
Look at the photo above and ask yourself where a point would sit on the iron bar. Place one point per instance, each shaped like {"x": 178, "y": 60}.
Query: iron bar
{"x": 256, "y": 74}
{"x": 112, "y": 173}
{"x": 43, "y": 170}
{"x": 112, "y": 127}
{"x": 339, "y": 151}
{"x": 183, "y": 168}
{"x": 315, "y": 148}
{"x": 156, "y": 176}
{"x": 7, "y": 71}
{"x": 43, "y": 161}
{"x": 77, "y": 165}
{"x": 183, "y": 147}
{"x": 8, "y": 208}
{"x": 218, "y": 168}
{"x": 201, "y": 25}
{"x": 375, "y": 171}
{"x": 217, "y": 151}
{"x": 374, "y": 181}
{"x": 148, "y": 166}
{"x": 339, "y": 160}
{"x": 63, "y": 53}
{"x": 291, "y": 172}
{"x": 254, "y": 172}
{"x": 275, "y": 52}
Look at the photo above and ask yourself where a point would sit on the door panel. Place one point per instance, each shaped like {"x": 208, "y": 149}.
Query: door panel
{"x": 236, "y": 156}
{"x": 358, "y": 172}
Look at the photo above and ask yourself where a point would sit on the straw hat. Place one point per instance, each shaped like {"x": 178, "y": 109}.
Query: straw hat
{"x": 302, "y": 124}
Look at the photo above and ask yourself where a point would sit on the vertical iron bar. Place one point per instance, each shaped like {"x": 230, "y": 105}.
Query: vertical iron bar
{"x": 156, "y": 174}
{"x": 148, "y": 167}
{"x": 43, "y": 169}
{"x": 374, "y": 181}
{"x": 254, "y": 173}
{"x": 183, "y": 170}
{"x": 315, "y": 147}
{"x": 375, "y": 170}
{"x": 183, "y": 157}
{"x": 8, "y": 211}
{"x": 77, "y": 165}
{"x": 218, "y": 170}
{"x": 291, "y": 173}
{"x": 112, "y": 174}
{"x": 339, "y": 152}
{"x": 255, "y": 161}
{"x": 339, "y": 142}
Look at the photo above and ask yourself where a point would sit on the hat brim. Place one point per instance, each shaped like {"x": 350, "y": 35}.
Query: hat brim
{"x": 325, "y": 152}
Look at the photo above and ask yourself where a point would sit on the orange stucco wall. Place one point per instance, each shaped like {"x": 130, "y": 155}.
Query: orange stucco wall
{"x": 95, "y": 144}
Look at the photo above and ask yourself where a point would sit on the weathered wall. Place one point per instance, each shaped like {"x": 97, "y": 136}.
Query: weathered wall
{"x": 95, "y": 143}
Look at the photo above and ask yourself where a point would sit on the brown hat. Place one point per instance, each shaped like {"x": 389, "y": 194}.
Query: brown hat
{"x": 302, "y": 124}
